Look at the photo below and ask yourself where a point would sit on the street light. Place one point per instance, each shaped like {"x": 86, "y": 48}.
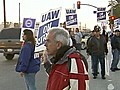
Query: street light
{"x": 111, "y": 19}
{"x": 78, "y": 4}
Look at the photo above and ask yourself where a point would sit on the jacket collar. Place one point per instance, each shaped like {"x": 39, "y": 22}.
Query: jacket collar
{"x": 62, "y": 54}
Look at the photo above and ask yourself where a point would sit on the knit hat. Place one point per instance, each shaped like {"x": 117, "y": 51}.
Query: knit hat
{"x": 97, "y": 28}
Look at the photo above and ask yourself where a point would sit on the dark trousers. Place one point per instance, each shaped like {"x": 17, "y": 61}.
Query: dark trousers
{"x": 95, "y": 61}
{"x": 115, "y": 60}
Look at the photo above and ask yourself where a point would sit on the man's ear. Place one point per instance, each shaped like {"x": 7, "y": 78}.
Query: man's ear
{"x": 59, "y": 45}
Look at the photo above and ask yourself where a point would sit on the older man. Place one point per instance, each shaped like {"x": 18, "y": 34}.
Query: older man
{"x": 66, "y": 68}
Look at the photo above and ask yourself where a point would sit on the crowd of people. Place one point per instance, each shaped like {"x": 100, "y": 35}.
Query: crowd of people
{"x": 66, "y": 67}
{"x": 97, "y": 48}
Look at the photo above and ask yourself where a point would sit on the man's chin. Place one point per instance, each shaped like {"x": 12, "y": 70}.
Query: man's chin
{"x": 49, "y": 54}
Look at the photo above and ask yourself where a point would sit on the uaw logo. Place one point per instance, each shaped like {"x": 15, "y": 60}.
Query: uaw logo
{"x": 47, "y": 20}
{"x": 71, "y": 17}
{"x": 101, "y": 15}
{"x": 117, "y": 23}
{"x": 29, "y": 23}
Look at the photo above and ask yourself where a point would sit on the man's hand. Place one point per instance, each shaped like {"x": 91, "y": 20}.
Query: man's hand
{"x": 44, "y": 57}
{"x": 21, "y": 74}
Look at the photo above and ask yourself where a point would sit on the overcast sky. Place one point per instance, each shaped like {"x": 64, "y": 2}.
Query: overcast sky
{"x": 34, "y": 8}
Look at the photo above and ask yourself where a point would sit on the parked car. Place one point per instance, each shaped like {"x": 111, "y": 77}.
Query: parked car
{"x": 10, "y": 42}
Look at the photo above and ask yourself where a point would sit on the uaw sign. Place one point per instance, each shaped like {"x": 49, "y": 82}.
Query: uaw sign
{"x": 71, "y": 18}
{"x": 48, "y": 20}
{"x": 101, "y": 9}
{"x": 101, "y": 13}
{"x": 101, "y": 16}
{"x": 28, "y": 23}
{"x": 117, "y": 23}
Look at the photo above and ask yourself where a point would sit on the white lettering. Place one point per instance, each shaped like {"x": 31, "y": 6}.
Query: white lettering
{"x": 71, "y": 21}
{"x": 47, "y": 27}
{"x": 70, "y": 11}
{"x": 41, "y": 40}
{"x": 50, "y": 15}
{"x": 101, "y": 17}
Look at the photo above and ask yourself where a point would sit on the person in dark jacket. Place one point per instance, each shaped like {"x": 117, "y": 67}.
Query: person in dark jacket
{"x": 27, "y": 66}
{"x": 115, "y": 44}
{"x": 91, "y": 35}
{"x": 87, "y": 49}
{"x": 96, "y": 48}
{"x": 105, "y": 34}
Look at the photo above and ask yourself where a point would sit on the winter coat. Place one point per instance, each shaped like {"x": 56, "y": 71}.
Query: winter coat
{"x": 67, "y": 72}
{"x": 26, "y": 62}
{"x": 115, "y": 42}
{"x": 97, "y": 46}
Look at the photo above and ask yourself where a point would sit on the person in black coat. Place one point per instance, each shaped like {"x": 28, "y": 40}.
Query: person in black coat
{"x": 115, "y": 44}
{"x": 96, "y": 48}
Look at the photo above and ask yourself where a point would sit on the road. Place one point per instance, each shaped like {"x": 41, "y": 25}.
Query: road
{"x": 10, "y": 80}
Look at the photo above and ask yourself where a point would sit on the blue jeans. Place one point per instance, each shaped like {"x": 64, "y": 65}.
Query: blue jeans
{"x": 30, "y": 81}
{"x": 115, "y": 60}
{"x": 95, "y": 61}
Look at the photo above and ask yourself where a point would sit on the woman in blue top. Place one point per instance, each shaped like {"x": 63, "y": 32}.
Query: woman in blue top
{"x": 27, "y": 66}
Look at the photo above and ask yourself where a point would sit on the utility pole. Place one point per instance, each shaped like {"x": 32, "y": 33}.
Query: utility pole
{"x": 4, "y": 9}
{"x": 80, "y": 25}
{"x": 112, "y": 25}
{"x": 73, "y": 6}
{"x": 112, "y": 3}
{"x": 111, "y": 8}
{"x": 19, "y": 15}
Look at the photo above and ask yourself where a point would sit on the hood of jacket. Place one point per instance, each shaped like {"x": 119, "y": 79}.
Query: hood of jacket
{"x": 62, "y": 54}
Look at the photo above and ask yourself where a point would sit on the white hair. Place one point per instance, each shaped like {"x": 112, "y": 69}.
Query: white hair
{"x": 60, "y": 34}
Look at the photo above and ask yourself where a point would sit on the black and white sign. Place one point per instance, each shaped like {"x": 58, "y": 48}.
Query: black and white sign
{"x": 101, "y": 9}
{"x": 28, "y": 23}
{"x": 101, "y": 13}
{"x": 117, "y": 23}
{"x": 71, "y": 18}
{"x": 101, "y": 16}
{"x": 48, "y": 20}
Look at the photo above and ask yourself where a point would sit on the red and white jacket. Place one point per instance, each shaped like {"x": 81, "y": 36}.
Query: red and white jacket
{"x": 61, "y": 78}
